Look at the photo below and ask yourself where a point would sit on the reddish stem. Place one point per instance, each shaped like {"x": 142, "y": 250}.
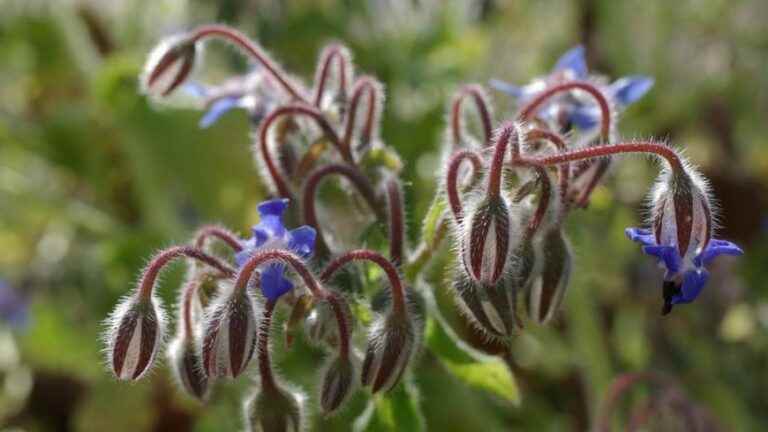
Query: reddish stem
{"x": 396, "y": 223}
{"x": 293, "y": 109}
{"x": 331, "y": 53}
{"x": 265, "y": 364}
{"x": 452, "y": 179}
{"x": 363, "y": 86}
{"x": 396, "y": 285}
{"x": 148, "y": 278}
{"x": 564, "y": 170}
{"x": 361, "y": 183}
{"x": 509, "y": 132}
{"x": 529, "y": 110}
{"x": 660, "y": 150}
{"x": 541, "y": 209}
{"x": 250, "y": 47}
{"x": 481, "y": 106}
{"x": 207, "y": 231}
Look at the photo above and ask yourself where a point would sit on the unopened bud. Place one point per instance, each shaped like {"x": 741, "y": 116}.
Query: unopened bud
{"x": 184, "y": 360}
{"x": 169, "y": 64}
{"x": 274, "y": 409}
{"x": 489, "y": 307}
{"x": 487, "y": 239}
{"x": 338, "y": 383}
{"x": 136, "y": 329}
{"x": 391, "y": 345}
{"x": 547, "y": 288}
{"x": 229, "y": 335}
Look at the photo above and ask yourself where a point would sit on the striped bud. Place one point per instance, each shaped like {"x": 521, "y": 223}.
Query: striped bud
{"x": 274, "y": 409}
{"x": 338, "y": 383}
{"x": 681, "y": 212}
{"x": 135, "y": 331}
{"x": 183, "y": 357}
{"x": 546, "y": 289}
{"x": 487, "y": 240}
{"x": 489, "y": 307}
{"x": 169, "y": 64}
{"x": 391, "y": 345}
{"x": 229, "y": 335}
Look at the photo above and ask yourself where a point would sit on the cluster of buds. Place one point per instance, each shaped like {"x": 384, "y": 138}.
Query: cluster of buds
{"x": 505, "y": 208}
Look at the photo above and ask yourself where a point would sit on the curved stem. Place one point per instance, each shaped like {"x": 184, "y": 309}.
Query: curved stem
{"x": 660, "y": 150}
{"x": 228, "y": 237}
{"x": 361, "y": 183}
{"x": 255, "y": 51}
{"x": 188, "y": 296}
{"x": 148, "y": 278}
{"x": 265, "y": 364}
{"x": 331, "y": 53}
{"x": 509, "y": 132}
{"x": 529, "y": 110}
{"x": 564, "y": 170}
{"x": 396, "y": 285}
{"x": 452, "y": 179}
{"x": 363, "y": 86}
{"x": 396, "y": 223}
{"x": 481, "y": 106}
{"x": 293, "y": 109}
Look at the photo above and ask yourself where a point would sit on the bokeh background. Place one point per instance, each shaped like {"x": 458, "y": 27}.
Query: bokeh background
{"x": 93, "y": 179}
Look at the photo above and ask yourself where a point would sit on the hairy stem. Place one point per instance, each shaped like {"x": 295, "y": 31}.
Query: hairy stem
{"x": 452, "y": 179}
{"x": 509, "y": 133}
{"x": 212, "y": 231}
{"x": 481, "y": 107}
{"x": 660, "y": 150}
{"x": 365, "y": 86}
{"x": 265, "y": 365}
{"x": 148, "y": 278}
{"x": 396, "y": 223}
{"x": 331, "y": 53}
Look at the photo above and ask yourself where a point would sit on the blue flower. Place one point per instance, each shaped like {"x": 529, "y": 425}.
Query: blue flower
{"x": 684, "y": 279}
{"x": 270, "y": 233}
{"x": 14, "y": 308}
{"x": 580, "y": 112}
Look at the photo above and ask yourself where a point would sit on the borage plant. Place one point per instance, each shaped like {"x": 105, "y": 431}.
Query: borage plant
{"x": 503, "y": 199}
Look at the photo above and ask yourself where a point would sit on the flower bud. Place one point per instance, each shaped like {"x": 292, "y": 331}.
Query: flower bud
{"x": 229, "y": 335}
{"x": 338, "y": 383}
{"x": 487, "y": 240}
{"x": 391, "y": 344}
{"x": 489, "y": 307}
{"x": 184, "y": 360}
{"x": 273, "y": 409}
{"x": 321, "y": 326}
{"x": 546, "y": 289}
{"x": 136, "y": 328}
{"x": 169, "y": 64}
{"x": 681, "y": 212}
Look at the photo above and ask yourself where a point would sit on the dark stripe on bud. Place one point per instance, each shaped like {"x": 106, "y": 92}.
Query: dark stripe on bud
{"x": 338, "y": 383}
{"x": 488, "y": 247}
{"x": 136, "y": 329}
{"x": 547, "y": 289}
{"x": 491, "y": 308}
{"x": 229, "y": 335}
{"x": 391, "y": 344}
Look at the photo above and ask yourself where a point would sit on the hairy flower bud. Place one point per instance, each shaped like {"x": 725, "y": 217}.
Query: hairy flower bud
{"x": 391, "y": 345}
{"x": 183, "y": 356}
{"x": 274, "y": 409}
{"x": 169, "y": 64}
{"x": 229, "y": 335}
{"x": 489, "y": 307}
{"x": 546, "y": 289}
{"x": 135, "y": 331}
{"x": 487, "y": 240}
{"x": 338, "y": 383}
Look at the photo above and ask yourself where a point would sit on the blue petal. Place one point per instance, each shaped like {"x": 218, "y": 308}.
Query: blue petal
{"x": 640, "y": 235}
{"x": 630, "y": 89}
{"x": 218, "y": 109}
{"x": 716, "y": 248}
{"x": 273, "y": 284}
{"x": 573, "y": 60}
{"x": 302, "y": 240}
{"x": 693, "y": 282}
{"x": 195, "y": 89}
{"x": 668, "y": 255}
{"x": 275, "y": 207}
{"x": 505, "y": 87}
{"x": 243, "y": 256}
{"x": 260, "y": 236}
{"x": 269, "y": 226}
{"x": 585, "y": 118}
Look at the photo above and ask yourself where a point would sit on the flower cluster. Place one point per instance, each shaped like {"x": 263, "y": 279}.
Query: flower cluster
{"x": 503, "y": 196}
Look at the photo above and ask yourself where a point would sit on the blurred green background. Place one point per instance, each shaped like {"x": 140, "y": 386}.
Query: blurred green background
{"x": 93, "y": 180}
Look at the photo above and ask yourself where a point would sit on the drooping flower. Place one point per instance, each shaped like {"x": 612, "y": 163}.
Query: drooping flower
{"x": 270, "y": 233}
{"x": 576, "y": 108}
{"x": 681, "y": 237}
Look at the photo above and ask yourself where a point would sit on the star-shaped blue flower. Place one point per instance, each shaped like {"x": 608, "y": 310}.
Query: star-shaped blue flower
{"x": 582, "y": 113}
{"x": 683, "y": 280}
{"x": 270, "y": 233}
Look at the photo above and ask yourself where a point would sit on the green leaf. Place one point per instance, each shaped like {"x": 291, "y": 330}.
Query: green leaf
{"x": 398, "y": 410}
{"x": 432, "y": 219}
